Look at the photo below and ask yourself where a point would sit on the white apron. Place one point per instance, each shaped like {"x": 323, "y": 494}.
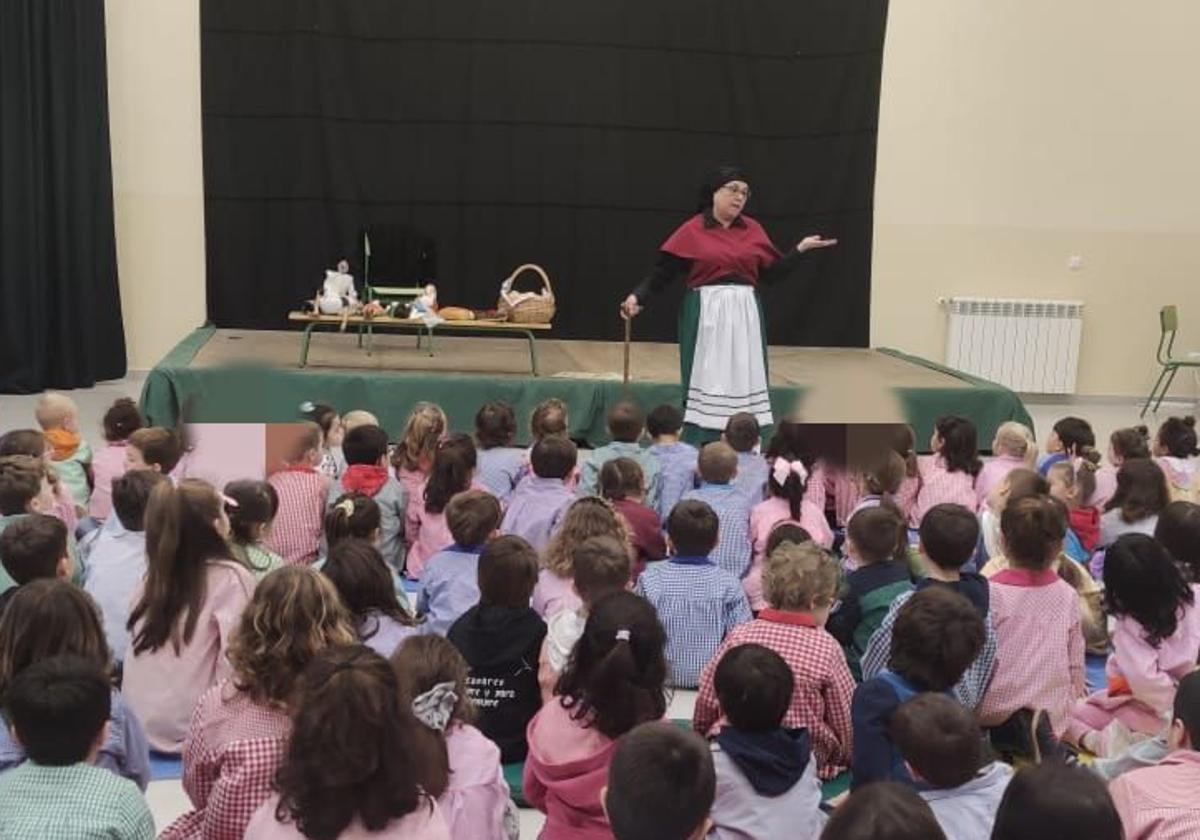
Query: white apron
{"x": 728, "y": 372}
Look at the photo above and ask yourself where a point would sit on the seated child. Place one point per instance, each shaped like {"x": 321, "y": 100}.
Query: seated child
{"x": 1070, "y": 438}
{"x": 676, "y": 459}
{"x": 660, "y": 785}
{"x": 352, "y": 517}
{"x": 697, "y": 602}
{"x": 588, "y": 517}
{"x": 943, "y": 751}
{"x": 302, "y": 490}
{"x": 365, "y": 449}
{"x": 433, "y": 676}
{"x": 59, "y": 709}
{"x": 154, "y": 448}
{"x": 357, "y": 757}
{"x": 499, "y": 462}
{"x": 612, "y": 683}
{"x": 1013, "y": 448}
{"x": 869, "y": 487}
{"x": 34, "y": 548}
{"x": 1160, "y": 801}
{"x": 626, "y": 425}
{"x": 1178, "y": 530}
{"x": 800, "y": 582}
{"x": 1040, "y": 644}
{"x": 501, "y": 637}
{"x": 116, "y": 562}
{"x": 718, "y": 468}
{"x": 549, "y": 418}
{"x": 767, "y": 782}
{"x": 70, "y": 454}
{"x": 949, "y": 534}
{"x": 601, "y": 567}
{"x": 49, "y": 618}
{"x": 332, "y": 434}
{"x": 1141, "y": 495}
{"x": 24, "y": 490}
{"x": 412, "y": 459}
{"x": 622, "y": 484}
{"x": 241, "y": 727}
{"x": 251, "y": 507}
{"x": 1175, "y": 451}
{"x": 368, "y": 591}
{"x": 450, "y": 585}
{"x": 937, "y": 634}
{"x": 1156, "y": 642}
{"x": 1054, "y": 800}
{"x": 742, "y": 432}
{"x": 536, "y": 508}
{"x": 453, "y": 472}
{"x": 1123, "y": 444}
{"x": 948, "y": 475}
{"x": 883, "y": 811}
{"x": 351, "y": 420}
{"x": 877, "y": 545}
{"x": 184, "y": 611}
{"x": 120, "y": 421}
{"x": 32, "y": 443}
{"x": 1072, "y": 483}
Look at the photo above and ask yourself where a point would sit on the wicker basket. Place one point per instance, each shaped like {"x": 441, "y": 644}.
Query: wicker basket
{"x": 538, "y": 310}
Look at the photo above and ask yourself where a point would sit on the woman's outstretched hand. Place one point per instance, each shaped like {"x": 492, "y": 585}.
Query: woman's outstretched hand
{"x": 811, "y": 243}
{"x": 630, "y": 307}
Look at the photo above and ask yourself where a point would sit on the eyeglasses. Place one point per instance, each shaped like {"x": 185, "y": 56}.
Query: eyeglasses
{"x": 735, "y": 190}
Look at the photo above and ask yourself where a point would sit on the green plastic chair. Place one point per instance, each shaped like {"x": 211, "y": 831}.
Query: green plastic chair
{"x": 1168, "y": 318}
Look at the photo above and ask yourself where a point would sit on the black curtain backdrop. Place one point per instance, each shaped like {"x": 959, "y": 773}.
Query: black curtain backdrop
{"x": 60, "y": 323}
{"x": 572, "y": 135}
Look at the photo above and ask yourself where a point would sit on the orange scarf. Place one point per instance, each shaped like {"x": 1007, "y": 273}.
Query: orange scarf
{"x": 64, "y": 443}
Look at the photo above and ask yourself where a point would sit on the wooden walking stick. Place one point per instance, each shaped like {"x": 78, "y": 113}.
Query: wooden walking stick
{"x": 628, "y": 333}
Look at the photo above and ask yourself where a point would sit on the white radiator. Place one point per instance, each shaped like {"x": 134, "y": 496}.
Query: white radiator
{"x": 1027, "y": 345}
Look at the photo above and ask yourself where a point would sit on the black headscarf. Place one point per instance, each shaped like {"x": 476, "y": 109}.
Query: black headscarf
{"x": 716, "y": 179}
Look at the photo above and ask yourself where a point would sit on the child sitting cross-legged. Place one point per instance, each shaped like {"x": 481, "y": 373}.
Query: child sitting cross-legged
{"x": 767, "y": 782}
{"x": 241, "y": 727}
{"x": 718, "y": 468}
{"x": 367, "y": 590}
{"x": 697, "y": 602}
{"x": 660, "y": 785}
{"x": 450, "y": 585}
{"x": 433, "y": 680}
{"x": 251, "y": 507}
{"x": 70, "y": 454}
{"x": 302, "y": 489}
{"x": 501, "y": 638}
{"x": 676, "y": 459}
{"x": 538, "y": 505}
{"x": 937, "y": 634}
{"x": 499, "y": 462}
{"x": 49, "y": 618}
{"x": 949, "y": 534}
{"x": 359, "y": 764}
{"x": 588, "y": 517}
{"x": 943, "y": 751}
{"x": 365, "y": 449}
{"x": 622, "y": 483}
{"x": 34, "y": 548}
{"x": 877, "y": 544}
{"x": 59, "y": 711}
{"x": 800, "y": 582}
{"x": 601, "y": 567}
{"x": 626, "y": 425}
{"x": 612, "y": 682}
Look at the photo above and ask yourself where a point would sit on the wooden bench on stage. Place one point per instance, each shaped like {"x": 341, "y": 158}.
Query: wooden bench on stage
{"x": 421, "y": 328}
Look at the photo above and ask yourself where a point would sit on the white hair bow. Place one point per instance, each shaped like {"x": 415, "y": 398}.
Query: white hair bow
{"x": 783, "y": 468}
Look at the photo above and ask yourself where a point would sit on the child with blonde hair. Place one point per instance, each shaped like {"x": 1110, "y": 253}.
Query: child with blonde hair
{"x": 70, "y": 454}
{"x": 251, "y": 507}
{"x": 241, "y": 727}
{"x": 1013, "y": 447}
{"x": 588, "y": 517}
{"x": 302, "y": 490}
{"x": 351, "y": 420}
{"x": 800, "y": 582}
{"x": 413, "y": 458}
{"x": 433, "y": 680}
{"x": 185, "y": 610}
{"x": 120, "y": 421}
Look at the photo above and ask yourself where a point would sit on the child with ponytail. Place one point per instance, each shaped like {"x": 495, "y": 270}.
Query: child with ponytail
{"x": 613, "y": 681}
{"x": 1013, "y": 447}
{"x": 1175, "y": 451}
{"x": 185, "y": 610}
{"x": 433, "y": 680}
{"x": 787, "y": 484}
{"x": 948, "y": 475}
{"x": 1123, "y": 444}
{"x": 453, "y": 471}
{"x": 353, "y": 516}
{"x": 120, "y": 421}
{"x": 251, "y": 507}
{"x": 413, "y": 458}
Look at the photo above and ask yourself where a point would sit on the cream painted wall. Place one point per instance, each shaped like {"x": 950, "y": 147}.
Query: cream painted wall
{"x": 1014, "y": 134}
{"x": 158, "y": 183}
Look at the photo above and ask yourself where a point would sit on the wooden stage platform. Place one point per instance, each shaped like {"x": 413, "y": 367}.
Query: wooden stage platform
{"x": 229, "y": 375}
